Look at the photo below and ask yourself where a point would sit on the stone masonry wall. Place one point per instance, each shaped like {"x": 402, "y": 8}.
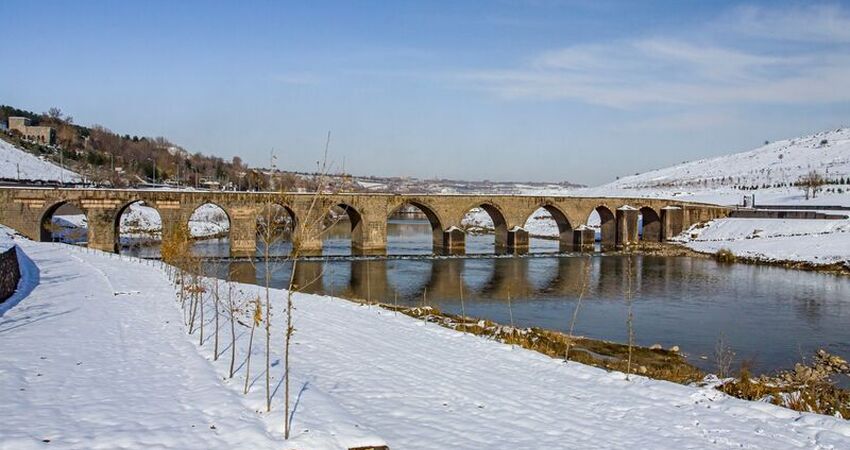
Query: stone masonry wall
{"x": 10, "y": 273}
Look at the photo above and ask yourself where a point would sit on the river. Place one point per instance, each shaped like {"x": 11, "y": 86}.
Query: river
{"x": 769, "y": 316}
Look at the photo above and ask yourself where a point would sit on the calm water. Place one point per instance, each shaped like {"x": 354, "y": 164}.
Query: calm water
{"x": 767, "y": 314}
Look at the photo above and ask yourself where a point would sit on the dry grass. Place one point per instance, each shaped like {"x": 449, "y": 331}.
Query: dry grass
{"x": 807, "y": 388}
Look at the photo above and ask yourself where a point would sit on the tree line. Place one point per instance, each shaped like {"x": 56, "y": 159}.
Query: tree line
{"x": 105, "y": 157}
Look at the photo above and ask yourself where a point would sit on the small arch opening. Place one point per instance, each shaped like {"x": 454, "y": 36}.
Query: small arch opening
{"x": 65, "y": 222}
{"x": 209, "y": 228}
{"x": 343, "y": 230}
{"x": 550, "y": 230}
{"x": 486, "y": 229}
{"x": 649, "y": 225}
{"x": 603, "y": 221}
{"x": 275, "y": 228}
{"x": 413, "y": 229}
{"x": 138, "y": 230}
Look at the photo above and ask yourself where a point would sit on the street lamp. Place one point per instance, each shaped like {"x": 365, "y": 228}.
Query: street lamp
{"x": 154, "y": 169}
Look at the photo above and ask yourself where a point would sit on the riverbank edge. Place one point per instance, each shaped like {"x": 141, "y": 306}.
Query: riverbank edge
{"x": 822, "y": 396}
{"x": 680, "y": 248}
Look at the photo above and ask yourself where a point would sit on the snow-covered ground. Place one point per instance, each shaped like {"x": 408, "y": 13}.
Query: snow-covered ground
{"x": 818, "y": 242}
{"x": 96, "y": 356}
{"x": 17, "y": 164}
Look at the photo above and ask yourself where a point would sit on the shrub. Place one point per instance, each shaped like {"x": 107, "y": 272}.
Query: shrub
{"x": 725, "y": 255}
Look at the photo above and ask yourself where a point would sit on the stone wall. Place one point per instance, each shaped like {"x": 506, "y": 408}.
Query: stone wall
{"x": 10, "y": 273}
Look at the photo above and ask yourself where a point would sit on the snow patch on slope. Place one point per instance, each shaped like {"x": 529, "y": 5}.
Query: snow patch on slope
{"x": 17, "y": 164}
{"x": 817, "y": 242}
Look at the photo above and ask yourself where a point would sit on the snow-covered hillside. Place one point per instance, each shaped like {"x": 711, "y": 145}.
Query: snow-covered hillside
{"x": 17, "y": 164}
{"x": 777, "y": 162}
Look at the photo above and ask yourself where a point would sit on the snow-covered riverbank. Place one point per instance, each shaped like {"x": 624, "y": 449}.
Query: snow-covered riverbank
{"x": 815, "y": 242}
{"x": 96, "y": 355}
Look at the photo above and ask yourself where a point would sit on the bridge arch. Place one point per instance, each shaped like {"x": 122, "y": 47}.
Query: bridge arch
{"x": 74, "y": 230}
{"x": 603, "y": 218}
{"x": 496, "y": 220}
{"x": 536, "y": 223}
{"x": 275, "y": 227}
{"x": 434, "y": 220}
{"x": 210, "y": 221}
{"x": 650, "y": 224}
{"x": 355, "y": 219}
{"x": 141, "y": 229}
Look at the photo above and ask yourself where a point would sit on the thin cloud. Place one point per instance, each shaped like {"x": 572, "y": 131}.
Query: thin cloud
{"x": 671, "y": 70}
{"x": 296, "y": 79}
{"x": 818, "y": 23}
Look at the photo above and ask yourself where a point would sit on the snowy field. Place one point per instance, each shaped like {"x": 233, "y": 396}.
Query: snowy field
{"x": 96, "y": 356}
{"x": 16, "y": 164}
{"x": 818, "y": 242}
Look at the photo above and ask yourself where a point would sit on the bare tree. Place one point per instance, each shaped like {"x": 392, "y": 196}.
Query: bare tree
{"x": 811, "y": 183}
{"x": 273, "y": 227}
{"x": 256, "y": 319}
{"x": 629, "y": 315}
{"x": 585, "y": 280}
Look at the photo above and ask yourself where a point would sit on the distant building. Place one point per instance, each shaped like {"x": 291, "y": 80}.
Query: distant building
{"x": 43, "y": 135}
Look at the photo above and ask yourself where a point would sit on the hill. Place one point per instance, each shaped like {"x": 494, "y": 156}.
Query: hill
{"x": 771, "y": 172}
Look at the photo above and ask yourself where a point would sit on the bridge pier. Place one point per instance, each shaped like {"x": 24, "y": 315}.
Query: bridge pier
{"x": 101, "y": 230}
{"x": 672, "y": 222}
{"x": 584, "y": 238}
{"x": 453, "y": 242}
{"x": 517, "y": 241}
{"x": 627, "y": 226}
{"x": 243, "y": 231}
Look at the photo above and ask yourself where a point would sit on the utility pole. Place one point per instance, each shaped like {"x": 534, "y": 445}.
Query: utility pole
{"x": 272, "y": 159}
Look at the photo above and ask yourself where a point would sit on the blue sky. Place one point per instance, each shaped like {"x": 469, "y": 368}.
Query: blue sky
{"x": 551, "y": 90}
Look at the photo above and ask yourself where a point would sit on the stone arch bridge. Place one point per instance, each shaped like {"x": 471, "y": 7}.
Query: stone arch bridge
{"x": 29, "y": 210}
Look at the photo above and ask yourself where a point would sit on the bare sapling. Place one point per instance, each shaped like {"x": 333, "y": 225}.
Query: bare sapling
{"x": 723, "y": 357}
{"x": 232, "y": 309}
{"x": 424, "y": 301}
{"x": 368, "y": 284}
{"x": 304, "y": 229}
{"x": 217, "y": 307}
{"x": 629, "y": 315}
{"x": 256, "y": 319}
{"x": 582, "y": 291}
{"x": 511, "y": 316}
{"x": 201, "y": 298}
{"x": 462, "y": 308}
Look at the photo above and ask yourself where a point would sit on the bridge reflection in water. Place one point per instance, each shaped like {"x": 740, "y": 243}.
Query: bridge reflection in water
{"x": 384, "y": 280}
{"x": 680, "y": 301}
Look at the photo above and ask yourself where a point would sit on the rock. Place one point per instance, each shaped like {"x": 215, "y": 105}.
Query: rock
{"x": 642, "y": 369}
{"x": 674, "y": 349}
{"x": 655, "y": 347}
